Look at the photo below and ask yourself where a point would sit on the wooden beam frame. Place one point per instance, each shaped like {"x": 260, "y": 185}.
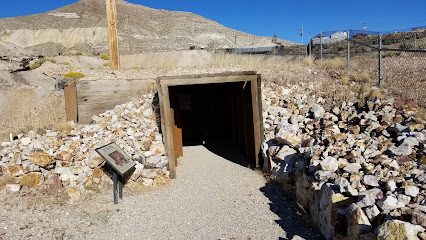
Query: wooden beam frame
{"x": 163, "y": 84}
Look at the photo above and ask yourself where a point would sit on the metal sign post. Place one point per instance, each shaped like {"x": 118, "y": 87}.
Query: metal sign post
{"x": 120, "y": 162}
{"x": 116, "y": 177}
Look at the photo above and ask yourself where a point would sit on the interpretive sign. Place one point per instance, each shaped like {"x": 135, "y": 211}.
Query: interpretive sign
{"x": 116, "y": 158}
{"x": 120, "y": 162}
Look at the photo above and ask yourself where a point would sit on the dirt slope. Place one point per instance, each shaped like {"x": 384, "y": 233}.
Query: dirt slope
{"x": 82, "y": 25}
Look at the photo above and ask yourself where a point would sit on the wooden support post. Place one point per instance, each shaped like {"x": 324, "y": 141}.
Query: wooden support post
{"x": 71, "y": 109}
{"x": 111, "y": 10}
{"x": 167, "y": 127}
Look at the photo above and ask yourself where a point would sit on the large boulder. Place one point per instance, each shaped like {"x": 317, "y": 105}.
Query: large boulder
{"x": 42, "y": 159}
{"x": 31, "y": 179}
{"x": 286, "y": 137}
{"x": 155, "y": 161}
{"x": 358, "y": 222}
{"x": 398, "y": 230}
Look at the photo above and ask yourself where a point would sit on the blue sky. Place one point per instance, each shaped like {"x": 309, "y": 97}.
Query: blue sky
{"x": 267, "y": 17}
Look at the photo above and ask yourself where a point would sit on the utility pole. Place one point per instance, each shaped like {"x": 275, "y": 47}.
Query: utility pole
{"x": 349, "y": 52}
{"x": 365, "y": 26}
{"x": 380, "y": 61}
{"x": 321, "y": 46}
{"x": 111, "y": 10}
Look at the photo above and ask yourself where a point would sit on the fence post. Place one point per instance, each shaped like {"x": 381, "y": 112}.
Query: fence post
{"x": 349, "y": 54}
{"x": 321, "y": 46}
{"x": 380, "y": 61}
{"x": 310, "y": 45}
{"x": 415, "y": 42}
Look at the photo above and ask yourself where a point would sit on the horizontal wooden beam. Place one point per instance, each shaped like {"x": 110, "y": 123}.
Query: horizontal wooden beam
{"x": 207, "y": 80}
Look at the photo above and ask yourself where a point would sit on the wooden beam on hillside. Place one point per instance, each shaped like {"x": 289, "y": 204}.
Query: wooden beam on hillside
{"x": 111, "y": 11}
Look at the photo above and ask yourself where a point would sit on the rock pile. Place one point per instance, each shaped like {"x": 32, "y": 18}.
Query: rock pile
{"x": 69, "y": 160}
{"x": 355, "y": 169}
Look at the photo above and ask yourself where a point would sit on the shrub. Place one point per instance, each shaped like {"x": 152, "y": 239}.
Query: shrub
{"x": 375, "y": 92}
{"x": 39, "y": 62}
{"x": 78, "y": 53}
{"x": 308, "y": 61}
{"x": 334, "y": 63}
{"x": 74, "y": 75}
{"x": 63, "y": 127}
{"x": 104, "y": 56}
{"x": 345, "y": 80}
{"x": 363, "y": 77}
{"x": 66, "y": 63}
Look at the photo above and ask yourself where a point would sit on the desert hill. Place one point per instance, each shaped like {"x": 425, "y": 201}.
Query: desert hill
{"x": 82, "y": 26}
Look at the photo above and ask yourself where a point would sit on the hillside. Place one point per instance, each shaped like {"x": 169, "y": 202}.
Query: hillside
{"x": 82, "y": 26}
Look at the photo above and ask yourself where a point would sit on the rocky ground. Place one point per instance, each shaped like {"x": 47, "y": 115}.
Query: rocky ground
{"x": 212, "y": 198}
{"x": 378, "y": 147}
{"x": 360, "y": 168}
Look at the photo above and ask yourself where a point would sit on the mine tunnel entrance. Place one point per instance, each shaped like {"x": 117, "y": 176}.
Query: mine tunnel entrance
{"x": 219, "y": 112}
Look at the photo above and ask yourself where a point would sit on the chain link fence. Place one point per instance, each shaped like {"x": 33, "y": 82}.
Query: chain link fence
{"x": 395, "y": 61}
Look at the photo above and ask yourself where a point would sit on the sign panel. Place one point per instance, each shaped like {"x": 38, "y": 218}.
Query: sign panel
{"x": 116, "y": 158}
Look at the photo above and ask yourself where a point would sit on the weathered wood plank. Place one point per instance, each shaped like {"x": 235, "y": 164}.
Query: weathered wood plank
{"x": 175, "y": 147}
{"x": 97, "y": 96}
{"x": 256, "y": 119}
{"x": 97, "y": 86}
{"x": 207, "y": 80}
{"x": 94, "y": 98}
{"x": 168, "y": 131}
{"x": 70, "y": 92}
{"x": 179, "y": 141}
{"x": 178, "y": 77}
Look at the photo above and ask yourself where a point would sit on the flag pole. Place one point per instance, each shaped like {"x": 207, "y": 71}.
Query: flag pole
{"x": 302, "y": 33}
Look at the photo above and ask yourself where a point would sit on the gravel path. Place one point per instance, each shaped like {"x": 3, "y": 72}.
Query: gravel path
{"x": 212, "y": 198}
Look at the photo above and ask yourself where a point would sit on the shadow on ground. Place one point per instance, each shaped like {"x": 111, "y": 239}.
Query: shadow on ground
{"x": 229, "y": 152}
{"x": 292, "y": 220}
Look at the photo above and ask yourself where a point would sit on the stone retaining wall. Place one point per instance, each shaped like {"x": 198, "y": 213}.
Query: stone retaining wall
{"x": 359, "y": 171}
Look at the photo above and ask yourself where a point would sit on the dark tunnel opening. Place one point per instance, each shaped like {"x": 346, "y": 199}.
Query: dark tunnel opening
{"x": 218, "y": 116}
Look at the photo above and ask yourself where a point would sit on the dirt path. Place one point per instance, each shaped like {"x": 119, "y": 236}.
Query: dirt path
{"x": 212, "y": 198}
